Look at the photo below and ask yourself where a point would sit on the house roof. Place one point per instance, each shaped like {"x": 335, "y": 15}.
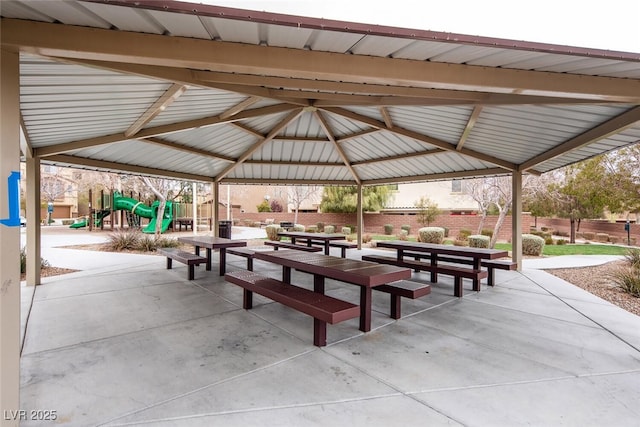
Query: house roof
{"x": 211, "y": 93}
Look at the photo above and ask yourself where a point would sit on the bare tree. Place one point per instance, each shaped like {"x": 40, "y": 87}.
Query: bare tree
{"x": 480, "y": 190}
{"x": 161, "y": 188}
{"x": 298, "y": 194}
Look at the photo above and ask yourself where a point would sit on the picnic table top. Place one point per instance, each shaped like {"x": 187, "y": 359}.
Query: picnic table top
{"x": 362, "y": 273}
{"x": 464, "y": 251}
{"x": 207, "y": 241}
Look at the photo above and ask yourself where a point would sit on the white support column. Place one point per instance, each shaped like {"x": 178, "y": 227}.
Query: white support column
{"x": 216, "y": 207}
{"x": 360, "y": 217}
{"x": 9, "y": 235}
{"x": 33, "y": 221}
{"x": 516, "y": 219}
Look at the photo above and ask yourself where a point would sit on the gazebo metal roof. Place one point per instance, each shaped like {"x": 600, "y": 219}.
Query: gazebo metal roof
{"x": 212, "y": 93}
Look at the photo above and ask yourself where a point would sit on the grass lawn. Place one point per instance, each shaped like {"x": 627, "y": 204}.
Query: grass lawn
{"x": 577, "y": 249}
{"x": 551, "y": 250}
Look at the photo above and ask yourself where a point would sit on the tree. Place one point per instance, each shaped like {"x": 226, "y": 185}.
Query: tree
{"x": 480, "y": 191}
{"x": 161, "y": 188}
{"x": 298, "y": 194}
{"x": 582, "y": 192}
{"x": 427, "y": 210}
{"x": 345, "y": 199}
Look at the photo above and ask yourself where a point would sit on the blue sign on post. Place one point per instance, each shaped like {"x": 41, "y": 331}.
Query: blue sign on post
{"x": 14, "y": 200}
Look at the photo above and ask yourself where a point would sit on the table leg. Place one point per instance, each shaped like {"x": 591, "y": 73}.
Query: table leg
{"x": 286, "y": 274}
{"x": 365, "y": 308}
{"x": 197, "y": 250}
{"x": 318, "y": 283}
{"x": 223, "y": 261}
{"x": 326, "y": 247}
{"x": 209, "y": 259}
{"x": 434, "y": 264}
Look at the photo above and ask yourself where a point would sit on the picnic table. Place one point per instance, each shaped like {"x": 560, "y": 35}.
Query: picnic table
{"x": 324, "y": 238}
{"x": 210, "y": 243}
{"x": 436, "y": 253}
{"x": 365, "y": 274}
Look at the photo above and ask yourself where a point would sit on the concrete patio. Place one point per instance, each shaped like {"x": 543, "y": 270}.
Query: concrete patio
{"x": 127, "y": 342}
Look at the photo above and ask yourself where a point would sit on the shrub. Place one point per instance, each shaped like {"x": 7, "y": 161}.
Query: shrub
{"x": 561, "y": 242}
{"x": 121, "y": 240}
{"x": 633, "y": 257}
{"x": 446, "y": 231}
{"x": 431, "y": 234}
{"x": 298, "y": 227}
{"x": 320, "y": 226}
{"x": 329, "y": 229}
{"x": 23, "y": 261}
{"x": 388, "y": 229}
{"x": 532, "y": 245}
{"x": 464, "y": 234}
{"x": 628, "y": 279}
{"x": 147, "y": 243}
{"x": 403, "y": 235}
{"x": 272, "y": 231}
{"x": 264, "y": 207}
{"x": 406, "y": 227}
{"x": 460, "y": 242}
{"x": 487, "y": 232}
{"x": 602, "y": 237}
{"x": 548, "y": 241}
{"x": 312, "y": 229}
{"x": 345, "y": 230}
{"x": 366, "y": 238}
{"x": 479, "y": 241}
{"x": 588, "y": 235}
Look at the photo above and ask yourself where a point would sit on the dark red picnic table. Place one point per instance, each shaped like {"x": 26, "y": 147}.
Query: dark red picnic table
{"x": 365, "y": 274}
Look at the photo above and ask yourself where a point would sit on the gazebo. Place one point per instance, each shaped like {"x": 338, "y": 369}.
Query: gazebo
{"x": 229, "y": 96}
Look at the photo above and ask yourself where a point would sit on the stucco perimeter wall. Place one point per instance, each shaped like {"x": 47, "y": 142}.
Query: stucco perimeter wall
{"x": 611, "y": 228}
{"x": 374, "y": 223}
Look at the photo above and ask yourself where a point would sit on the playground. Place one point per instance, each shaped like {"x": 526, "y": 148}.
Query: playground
{"x": 116, "y": 210}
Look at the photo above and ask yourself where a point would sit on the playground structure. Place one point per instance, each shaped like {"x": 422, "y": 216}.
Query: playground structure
{"x": 133, "y": 211}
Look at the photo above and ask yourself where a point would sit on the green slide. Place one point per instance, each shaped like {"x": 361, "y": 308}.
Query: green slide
{"x": 137, "y": 208}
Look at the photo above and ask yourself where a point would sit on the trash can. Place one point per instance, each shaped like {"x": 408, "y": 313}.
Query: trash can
{"x": 224, "y": 229}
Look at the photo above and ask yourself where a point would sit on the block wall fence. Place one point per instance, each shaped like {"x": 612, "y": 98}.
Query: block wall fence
{"x": 374, "y": 222}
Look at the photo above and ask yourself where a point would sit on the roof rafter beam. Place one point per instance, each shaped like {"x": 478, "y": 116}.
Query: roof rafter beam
{"x": 186, "y": 149}
{"x": 286, "y": 182}
{"x": 437, "y": 176}
{"x": 399, "y": 157}
{"x": 272, "y": 133}
{"x": 421, "y": 138}
{"x": 25, "y": 145}
{"x": 287, "y": 163}
{"x": 615, "y": 125}
{"x": 182, "y": 76}
{"x": 140, "y": 170}
{"x": 156, "y": 108}
{"x": 127, "y": 47}
{"x": 241, "y": 106}
{"x": 327, "y": 130}
{"x": 473, "y": 118}
{"x": 159, "y": 130}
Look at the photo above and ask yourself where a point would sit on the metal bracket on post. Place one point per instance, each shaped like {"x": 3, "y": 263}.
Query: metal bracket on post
{"x": 14, "y": 200}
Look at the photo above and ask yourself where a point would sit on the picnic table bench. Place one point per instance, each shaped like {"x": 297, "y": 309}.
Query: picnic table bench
{"x": 191, "y": 260}
{"x": 248, "y": 253}
{"x": 458, "y": 273}
{"x": 403, "y": 288}
{"x": 287, "y": 245}
{"x": 490, "y": 265}
{"x": 342, "y": 244}
{"x": 323, "y": 308}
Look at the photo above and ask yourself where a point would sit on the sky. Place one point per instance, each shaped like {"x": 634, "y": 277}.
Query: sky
{"x": 599, "y": 24}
